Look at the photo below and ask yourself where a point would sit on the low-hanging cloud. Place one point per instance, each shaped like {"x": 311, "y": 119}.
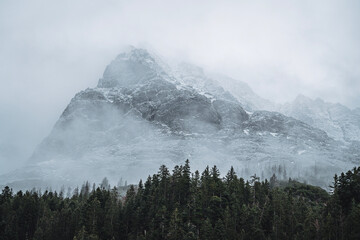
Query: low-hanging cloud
{"x": 51, "y": 50}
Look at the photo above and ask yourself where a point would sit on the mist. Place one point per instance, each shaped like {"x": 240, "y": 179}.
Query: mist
{"x": 51, "y": 50}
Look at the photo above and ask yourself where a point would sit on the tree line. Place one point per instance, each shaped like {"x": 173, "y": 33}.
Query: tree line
{"x": 185, "y": 205}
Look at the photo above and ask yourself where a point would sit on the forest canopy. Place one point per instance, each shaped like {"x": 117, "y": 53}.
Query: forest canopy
{"x": 185, "y": 205}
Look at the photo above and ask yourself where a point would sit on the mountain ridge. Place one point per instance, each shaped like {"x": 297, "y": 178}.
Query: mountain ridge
{"x": 340, "y": 122}
{"x": 143, "y": 114}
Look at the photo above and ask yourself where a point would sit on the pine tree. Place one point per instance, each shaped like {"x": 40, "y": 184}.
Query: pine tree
{"x": 206, "y": 232}
{"x": 176, "y": 231}
{"x": 219, "y": 230}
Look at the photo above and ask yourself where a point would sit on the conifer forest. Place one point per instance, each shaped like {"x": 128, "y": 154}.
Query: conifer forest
{"x": 179, "y": 204}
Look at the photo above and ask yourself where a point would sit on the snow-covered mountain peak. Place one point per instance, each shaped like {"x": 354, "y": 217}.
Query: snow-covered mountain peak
{"x": 134, "y": 66}
{"x": 302, "y": 99}
{"x": 143, "y": 56}
{"x": 319, "y": 100}
{"x": 357, "y": 111}
{"x": 144, "y": 113}
{"x": 185, "y": 68}
{"x": 337, "y": 120}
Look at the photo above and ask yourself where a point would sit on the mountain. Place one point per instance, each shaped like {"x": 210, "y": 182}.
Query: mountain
{"x": 357, "y": 111}
{"x": 248, "y": 99}
{"x": 144, "y": 113}
{"x": 338, "y": 121}
{"x": 221, "y": 86}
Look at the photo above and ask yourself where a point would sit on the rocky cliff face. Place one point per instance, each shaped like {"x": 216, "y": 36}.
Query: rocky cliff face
{"x": 143, "y": 114}
{"x": 338, "y": 121}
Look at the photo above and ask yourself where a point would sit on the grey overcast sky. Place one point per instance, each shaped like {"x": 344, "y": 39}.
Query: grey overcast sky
{"x": 49, "y": 50}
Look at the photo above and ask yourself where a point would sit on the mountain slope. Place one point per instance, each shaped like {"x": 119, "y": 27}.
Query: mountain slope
{"x": 248, "y": 99}
{"x": 337, "y": 120}
{"x": 143, "y": 114}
